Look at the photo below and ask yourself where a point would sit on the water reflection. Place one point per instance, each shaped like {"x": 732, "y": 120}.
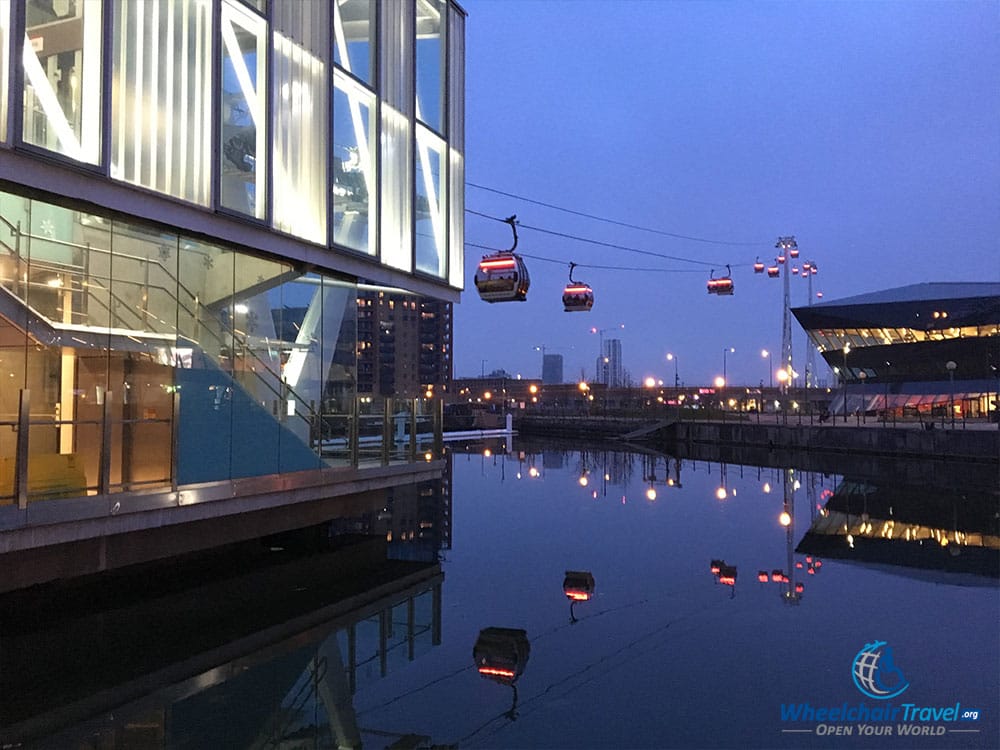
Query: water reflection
{"x": 259, "y": 645}
{"x": 364, "y": 642}
{"x": 910, "y": 531}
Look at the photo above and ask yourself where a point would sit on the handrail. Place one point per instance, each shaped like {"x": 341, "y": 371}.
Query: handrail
{"x": 10, "y": 226}
{"x": 282, "y": 393}
{"x": 102, "y": 251}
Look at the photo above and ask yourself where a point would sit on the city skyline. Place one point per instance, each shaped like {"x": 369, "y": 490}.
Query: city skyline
{"x": 867, "y": 131}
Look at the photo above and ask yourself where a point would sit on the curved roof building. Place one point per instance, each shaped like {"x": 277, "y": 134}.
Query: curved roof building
{"x": 913, "y": 346}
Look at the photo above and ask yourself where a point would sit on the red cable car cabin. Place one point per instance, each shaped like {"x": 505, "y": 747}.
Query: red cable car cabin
{"x": 578, "y": 298}
{"x": 773, "y": 272}
{"x": 502, "y": 277}
{"x": 722, "y": 285}
{"x": 758, "y": 267}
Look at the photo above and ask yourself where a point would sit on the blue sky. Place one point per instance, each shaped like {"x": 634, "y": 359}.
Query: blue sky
{"x": 868, "y": 130}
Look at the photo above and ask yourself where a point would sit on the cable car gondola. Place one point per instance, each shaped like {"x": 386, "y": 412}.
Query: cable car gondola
{"x": 577, "y": 296}
{"x": 758, "y": 267}
{"x": 773, "y": 271}
{"x": 722, "y": 285}
{"x": 502, "y": 276}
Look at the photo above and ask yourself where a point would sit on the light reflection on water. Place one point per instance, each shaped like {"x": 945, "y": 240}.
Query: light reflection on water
{"x": 666, "y": 652}
{"x": 665, "y": 655}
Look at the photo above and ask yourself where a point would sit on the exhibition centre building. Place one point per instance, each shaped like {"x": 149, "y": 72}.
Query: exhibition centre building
{"x": 921, "y": 349}
{"x": 196, "y": 198}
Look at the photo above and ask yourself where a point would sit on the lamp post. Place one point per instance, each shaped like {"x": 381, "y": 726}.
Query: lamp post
{"x": 677, "y": 379}
{"x": 770, "y": 375}
{"x": 847, "y": 349}
{"x": 720, "y": 384}
{"x": 863, "y": 375}
{"x": 950, "y": 365}
{"x": 885, "y": 413}
{"x": 725, "y": 377}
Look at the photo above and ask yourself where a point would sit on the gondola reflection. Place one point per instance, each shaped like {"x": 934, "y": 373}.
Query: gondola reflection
{"x": 725, "y": 574}
{"x": 500, "y": 655}
{"x": 578, "y": 586}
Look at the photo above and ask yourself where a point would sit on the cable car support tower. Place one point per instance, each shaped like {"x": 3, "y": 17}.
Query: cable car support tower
{"x": 787, "y": 247}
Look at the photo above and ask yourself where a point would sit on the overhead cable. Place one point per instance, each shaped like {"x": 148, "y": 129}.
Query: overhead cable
{"x": 615, "y": 221}
{"x": 600, "y": 243}
{"x": 593, "y": 265}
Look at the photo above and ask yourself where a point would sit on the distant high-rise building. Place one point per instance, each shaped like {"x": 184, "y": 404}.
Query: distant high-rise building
{"x": 609, "y": 366}
{"x": 552, "y": 369}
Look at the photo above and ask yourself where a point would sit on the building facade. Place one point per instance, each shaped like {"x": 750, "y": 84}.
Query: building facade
{"x": 552, "y": 369}
{"x": 404, "y": 345}
{"x": 610, "y": 369}
{"x": 194, "y": 197}
{"x": 923, "y": 348}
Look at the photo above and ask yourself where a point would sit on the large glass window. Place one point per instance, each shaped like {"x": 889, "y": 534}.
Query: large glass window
{"x": 354, "y": 37}
{"x": 430, "y": 203}
{"x": 299, "y": 141}
{"x": 161, "y": 94}
{"x": 431, "y": 62}
{"x": 456, "y": 153}
{"x": 396, "y": 241}
{"x": 61, "y": 59}
{"x": 243, "y": 102}
{"x": 4, "y": 56}
{"x": 301, "y": 113}
{"x": 353, "y": 164}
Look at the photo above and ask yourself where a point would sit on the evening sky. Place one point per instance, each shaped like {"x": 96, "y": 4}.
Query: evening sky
{"x": 870, "y": 131}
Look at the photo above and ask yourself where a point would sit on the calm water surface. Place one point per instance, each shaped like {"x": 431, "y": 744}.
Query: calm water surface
{"x": 666, "y": 653}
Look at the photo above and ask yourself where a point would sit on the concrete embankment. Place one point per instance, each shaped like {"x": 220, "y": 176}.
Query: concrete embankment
{"x": 981, "y": 445}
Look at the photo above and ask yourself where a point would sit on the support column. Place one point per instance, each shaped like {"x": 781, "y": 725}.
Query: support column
{"x": 438, "y": 405}
{"x": 413, "y": 430}
{"x": 387, "y": 436}
{"x": 104, "y": 470}
{"x": 354, "y": 434}
{"x": 21, "y": 449}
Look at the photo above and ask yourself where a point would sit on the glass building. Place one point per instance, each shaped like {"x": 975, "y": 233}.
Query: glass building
{"x": 178, "y": 177}
{"x": 915, "y": 350}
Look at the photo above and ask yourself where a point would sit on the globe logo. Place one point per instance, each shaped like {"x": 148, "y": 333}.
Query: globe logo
{"x": 876, "y": 674}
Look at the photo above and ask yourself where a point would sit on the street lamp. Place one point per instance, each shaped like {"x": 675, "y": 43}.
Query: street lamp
{"x": 885, "y": 414}
{"x": 725, "y": 352}
{"x": 863, "y": 376}
{"x": 677, "y": 380}
{"x": 725, "y": 377}
{"x": 770, "y": 375}
{"x": 847, "y": 349}
{"x": 950, "y": 365}
{"x": 783, "y": 385}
